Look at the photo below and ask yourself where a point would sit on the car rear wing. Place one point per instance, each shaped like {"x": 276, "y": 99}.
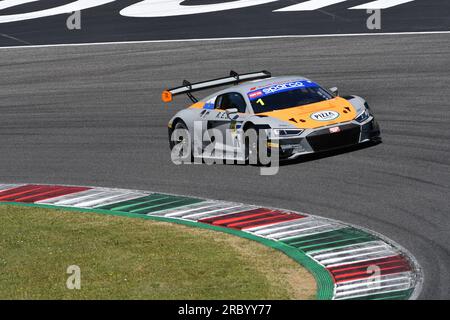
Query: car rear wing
{"x": 233, "y": 78}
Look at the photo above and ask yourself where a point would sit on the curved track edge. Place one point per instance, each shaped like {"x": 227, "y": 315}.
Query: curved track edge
{"x": 347, "y": 261}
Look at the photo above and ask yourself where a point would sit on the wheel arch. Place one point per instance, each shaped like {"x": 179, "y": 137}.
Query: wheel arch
{"x": 247, "y": 125}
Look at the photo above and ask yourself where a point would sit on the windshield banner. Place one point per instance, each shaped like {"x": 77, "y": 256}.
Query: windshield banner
{"x": 277, "y": 88}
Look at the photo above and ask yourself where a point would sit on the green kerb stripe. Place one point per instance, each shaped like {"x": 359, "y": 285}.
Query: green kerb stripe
{"x": 131, "y": 203}
{"x": 330, "y": 239}
{"x": 151, "y": 203}
{"x": 168, "y": 205}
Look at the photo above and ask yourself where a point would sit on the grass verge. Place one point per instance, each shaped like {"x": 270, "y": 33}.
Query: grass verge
{"x": 123, "y": 258}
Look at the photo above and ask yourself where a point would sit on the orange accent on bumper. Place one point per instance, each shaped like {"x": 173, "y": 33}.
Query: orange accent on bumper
{"x": 301, "y": 116}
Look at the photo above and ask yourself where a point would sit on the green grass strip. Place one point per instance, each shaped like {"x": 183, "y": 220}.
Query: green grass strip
{"x": 325, "y": 284}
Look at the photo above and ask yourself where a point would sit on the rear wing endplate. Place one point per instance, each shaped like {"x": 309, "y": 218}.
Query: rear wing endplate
{"x": 233, "y": 78}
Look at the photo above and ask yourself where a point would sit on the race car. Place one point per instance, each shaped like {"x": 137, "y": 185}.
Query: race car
{"x": 297, "y": 115}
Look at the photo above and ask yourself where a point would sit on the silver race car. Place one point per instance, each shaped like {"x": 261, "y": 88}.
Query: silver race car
{"x": 297, "y": 116}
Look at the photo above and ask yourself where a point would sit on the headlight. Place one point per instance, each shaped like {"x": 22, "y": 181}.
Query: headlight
{"x": 287, "y": 132}
{"x": 363, "y": 116}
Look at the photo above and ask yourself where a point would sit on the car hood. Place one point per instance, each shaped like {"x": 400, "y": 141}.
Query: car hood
{"x": 316, "y": 115}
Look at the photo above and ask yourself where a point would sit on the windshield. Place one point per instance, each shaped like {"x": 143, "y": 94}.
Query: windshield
{"x": 287, "y": 95}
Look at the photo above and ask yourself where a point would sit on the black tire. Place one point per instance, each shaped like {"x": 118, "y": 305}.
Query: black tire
{"x": 252, "y": 149}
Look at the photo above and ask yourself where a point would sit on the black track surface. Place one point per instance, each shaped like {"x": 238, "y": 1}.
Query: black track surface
{"x": 92, "y": 115}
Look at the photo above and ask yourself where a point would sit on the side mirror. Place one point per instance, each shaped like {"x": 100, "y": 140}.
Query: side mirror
{"x": 230, "y": 112}
{"x": 334, "y": 91}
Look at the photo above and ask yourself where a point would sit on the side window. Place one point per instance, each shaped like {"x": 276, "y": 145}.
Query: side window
{"x": 231, "y": 100}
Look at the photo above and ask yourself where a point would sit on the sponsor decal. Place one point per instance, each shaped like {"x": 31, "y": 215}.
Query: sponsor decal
{"x": 335, "y": 130}
{"x": 170, "y": 8}
{"x": 209, "y": 104}
{"x": 281, "y": 87}
{"x": 326, "y": 115}
{"x": 253, "y": 95}
{"x": 62, "y": 9}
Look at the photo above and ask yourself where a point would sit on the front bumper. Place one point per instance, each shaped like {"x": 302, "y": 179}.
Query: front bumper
{"x": 329, "y": 138}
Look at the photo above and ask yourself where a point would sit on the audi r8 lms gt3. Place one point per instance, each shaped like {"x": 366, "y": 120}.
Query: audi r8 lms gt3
{"x": 297, "y": 114}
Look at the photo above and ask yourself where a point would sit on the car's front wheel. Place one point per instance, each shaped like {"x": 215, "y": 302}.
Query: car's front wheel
{"x": 180, "y": 143}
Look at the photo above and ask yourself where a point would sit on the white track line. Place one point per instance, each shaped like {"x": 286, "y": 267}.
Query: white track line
{"x": 230, "y": 39}
{"x": 174, "y": 213}
{"x": 6, "y": 187}
{"x": 344, "y": 252}
{"x": 393, "y": 277}
{"x": 226, "y": 210}
{"x": 63, "y": 9}
{"x": 381, "y": 4}
{"x": 9, "y": 3}
{"x": 310, "y": 5}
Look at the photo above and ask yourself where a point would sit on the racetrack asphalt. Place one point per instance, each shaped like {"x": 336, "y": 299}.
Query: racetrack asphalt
{"x": 92, "y": 115}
